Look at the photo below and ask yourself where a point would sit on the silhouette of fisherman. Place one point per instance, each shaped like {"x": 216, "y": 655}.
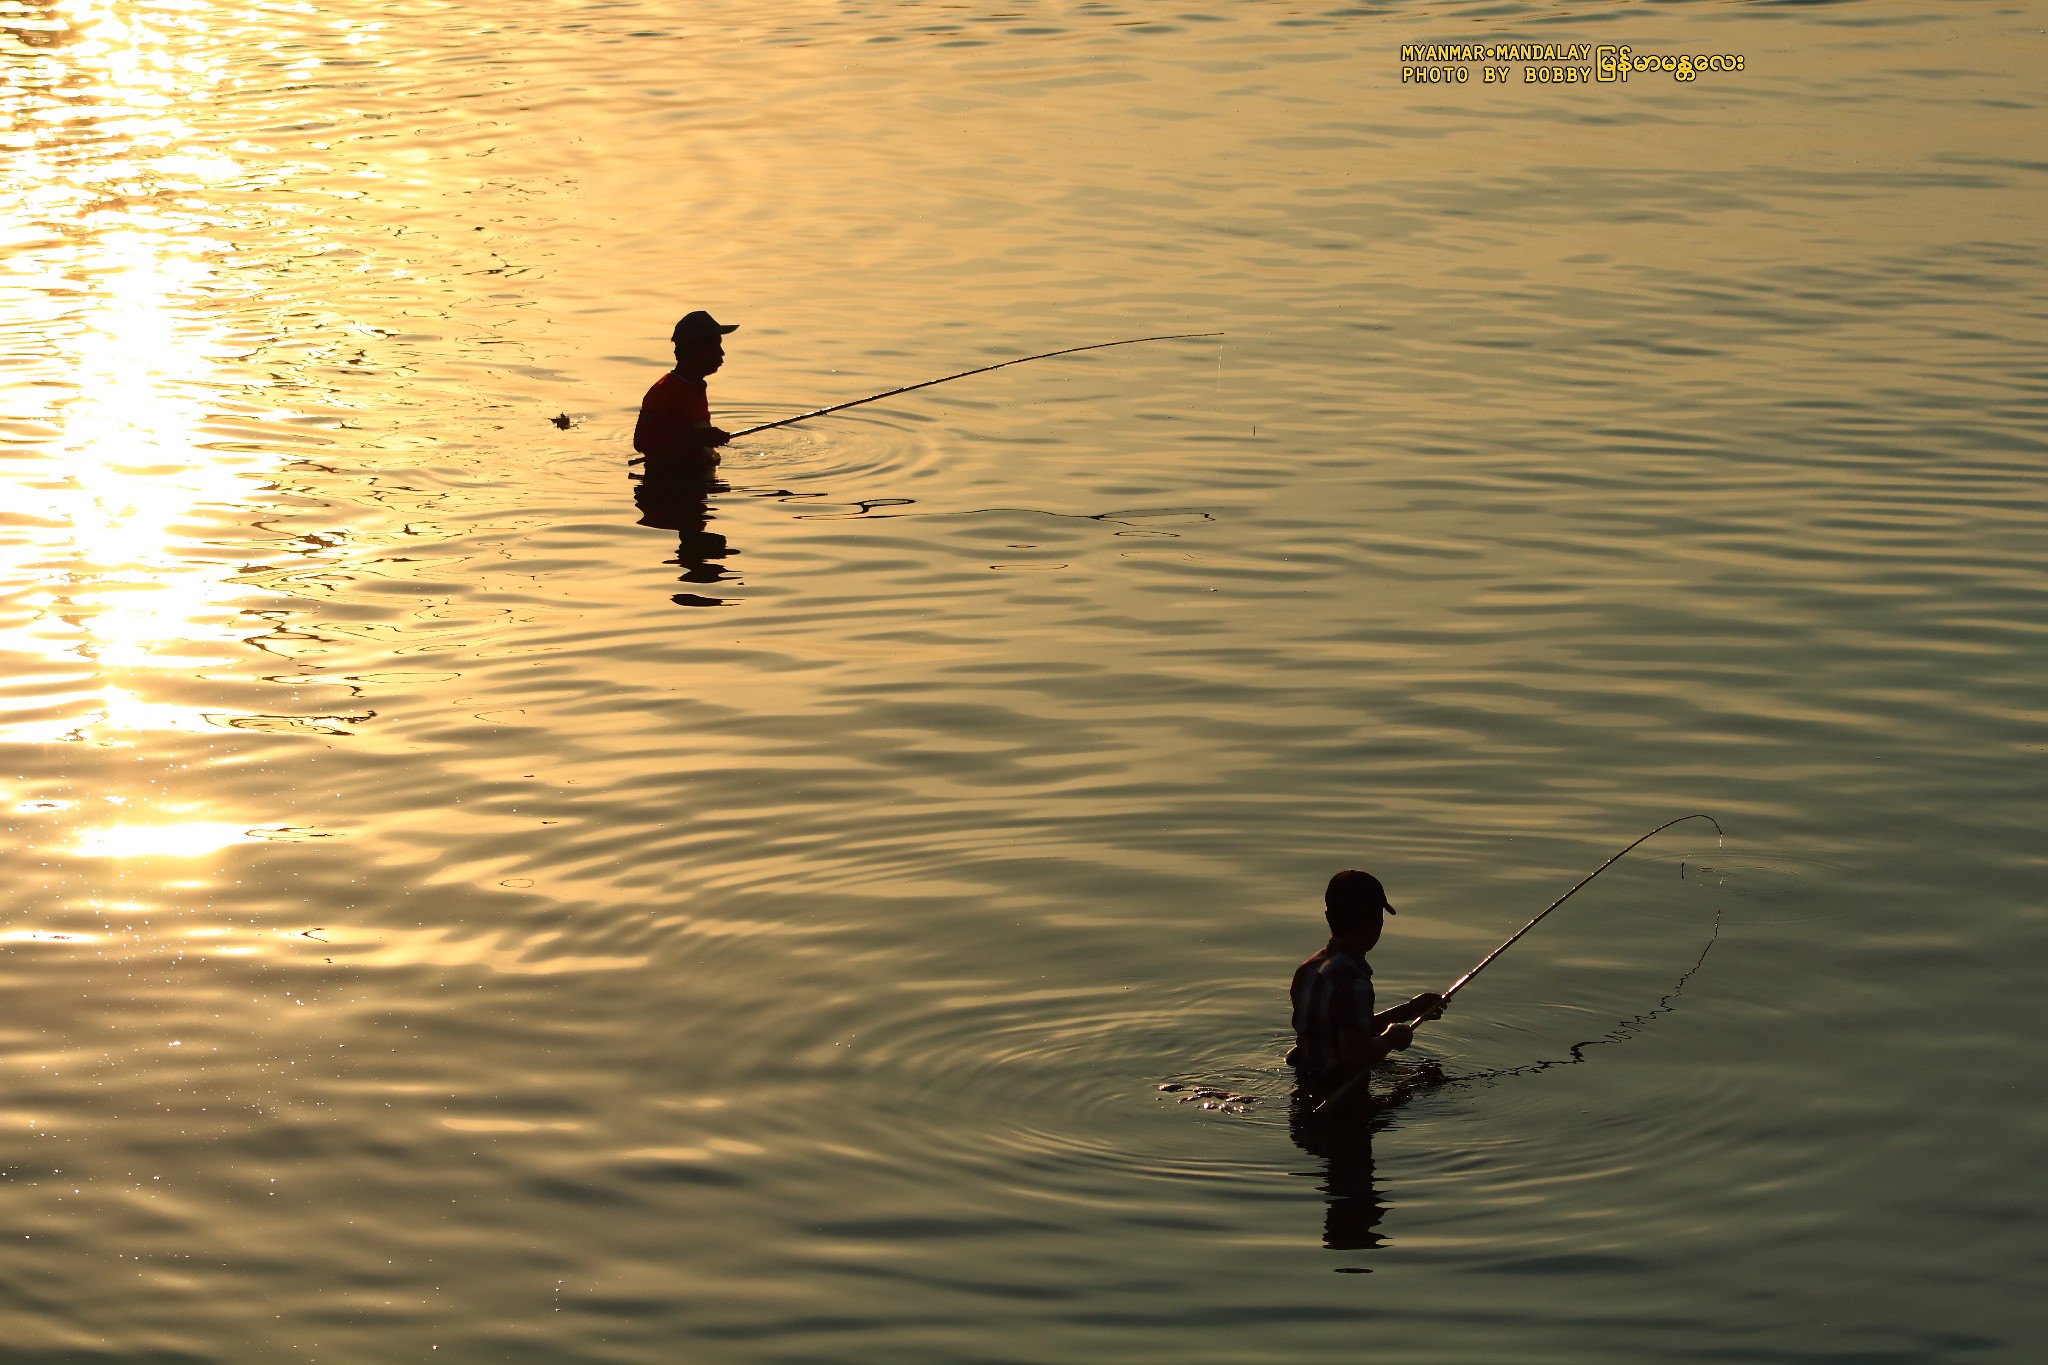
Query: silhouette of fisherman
{"x": 675, "y": 416}
{"x": 679, "y": 445}
{"x": 1338, "y": 1039}
{"x": 1337, "y": 1034}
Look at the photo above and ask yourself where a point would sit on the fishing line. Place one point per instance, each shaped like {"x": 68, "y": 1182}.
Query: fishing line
{"x": 1621, "y": 1032}
{"x": 1515, "y": 937}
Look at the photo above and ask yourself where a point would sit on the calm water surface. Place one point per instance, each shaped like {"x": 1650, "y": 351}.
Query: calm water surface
{"x": 455, "y": 912}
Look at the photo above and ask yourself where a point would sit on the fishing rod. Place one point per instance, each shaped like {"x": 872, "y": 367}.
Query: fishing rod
{"x": 1466, "y": 979}
{"x": 909, "y": 388}
{"x": 1486, "y": 961}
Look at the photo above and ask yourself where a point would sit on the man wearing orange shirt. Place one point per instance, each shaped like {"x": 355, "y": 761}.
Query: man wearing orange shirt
{"x": 675, "y": 416}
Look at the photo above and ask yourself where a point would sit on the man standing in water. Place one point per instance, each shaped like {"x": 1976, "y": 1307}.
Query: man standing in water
{"x": 675, "y": 416}
{"x": 675, "y": 435}
{"x": 1336, "y": 1033}
{"x": 1337, "y": 1038}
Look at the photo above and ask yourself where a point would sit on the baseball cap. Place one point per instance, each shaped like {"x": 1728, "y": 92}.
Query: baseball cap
{"x": 1352, "y": 887}
{"x": 700, "y": 326}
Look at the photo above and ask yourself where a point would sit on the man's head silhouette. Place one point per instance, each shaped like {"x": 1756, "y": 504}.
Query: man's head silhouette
{"x": 700, "y": 344}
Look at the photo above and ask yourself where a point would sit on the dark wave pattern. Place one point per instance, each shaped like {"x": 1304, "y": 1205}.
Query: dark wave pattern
{"x": 467, "y": 905}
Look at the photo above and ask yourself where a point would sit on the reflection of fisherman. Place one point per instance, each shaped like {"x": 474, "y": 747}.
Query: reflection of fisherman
{"x": 675, "y": 494}
{"x": 1351, "y": 1218}
{"x": 675, "y": 416}
{"x": 1336, "y": 1033}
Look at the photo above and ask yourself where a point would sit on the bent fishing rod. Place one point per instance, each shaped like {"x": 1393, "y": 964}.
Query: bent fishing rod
{"x": 947, "y": 379}
{"x": 1466, "y": 979}
{"x": 1486, "y": 961}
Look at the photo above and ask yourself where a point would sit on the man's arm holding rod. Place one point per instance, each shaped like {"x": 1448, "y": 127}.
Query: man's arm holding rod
{"x": 1394, "y": 1028}
{"x": 1392, "y": 1031}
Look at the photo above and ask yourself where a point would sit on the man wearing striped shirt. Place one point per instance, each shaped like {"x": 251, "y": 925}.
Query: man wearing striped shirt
{"x": 1336, "y": 1031}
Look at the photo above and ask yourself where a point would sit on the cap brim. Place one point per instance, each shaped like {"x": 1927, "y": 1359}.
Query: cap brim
{"x": 1389, "y": 909}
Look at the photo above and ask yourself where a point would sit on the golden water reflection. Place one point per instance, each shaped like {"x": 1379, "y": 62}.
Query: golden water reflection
{"x": 116, "y": 565}
{"x": 191, "y": 839}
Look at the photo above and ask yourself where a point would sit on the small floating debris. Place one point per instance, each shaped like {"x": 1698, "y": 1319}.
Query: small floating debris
{"x": 562, "y": 419}
{"x": 1209, "y": 1097}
